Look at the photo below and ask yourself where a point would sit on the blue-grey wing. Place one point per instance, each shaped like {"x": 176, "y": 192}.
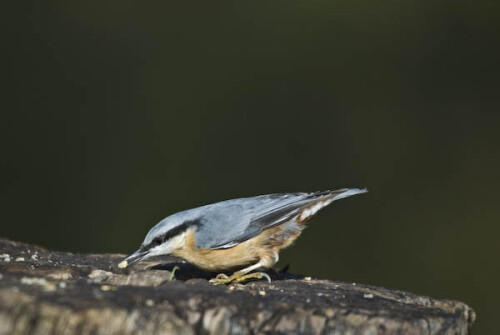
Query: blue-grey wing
{"x": 225, "y": 224}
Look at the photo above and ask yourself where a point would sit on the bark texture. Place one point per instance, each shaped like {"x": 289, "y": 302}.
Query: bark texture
{"x": 45, "y": 292}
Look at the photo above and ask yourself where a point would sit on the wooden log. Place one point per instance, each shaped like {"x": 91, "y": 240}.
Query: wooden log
{"x": 45, "y": 292}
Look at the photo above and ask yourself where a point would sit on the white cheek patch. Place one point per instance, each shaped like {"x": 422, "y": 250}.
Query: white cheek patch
{"x": 177, "y": 242}
{"x": 166, "y": 248}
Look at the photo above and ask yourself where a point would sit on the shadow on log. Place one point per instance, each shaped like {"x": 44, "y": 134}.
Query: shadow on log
{"x": 44, "y": 292}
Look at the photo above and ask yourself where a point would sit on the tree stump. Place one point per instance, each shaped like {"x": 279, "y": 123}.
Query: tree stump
{"x": 45, "y": 292}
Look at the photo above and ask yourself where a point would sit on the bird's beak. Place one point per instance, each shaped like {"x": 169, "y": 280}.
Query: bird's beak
{"x": 137, "y": 256}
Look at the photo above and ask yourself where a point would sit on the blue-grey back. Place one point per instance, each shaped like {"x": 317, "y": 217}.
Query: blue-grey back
{"x": 227, "y": 223}
{"x": 230, "y": 222}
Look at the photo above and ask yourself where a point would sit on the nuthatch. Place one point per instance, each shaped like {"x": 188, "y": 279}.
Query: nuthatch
{"x": 243, "y": 233}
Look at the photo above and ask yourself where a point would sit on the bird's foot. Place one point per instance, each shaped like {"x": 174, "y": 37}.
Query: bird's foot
{"x": 222, "y": 279}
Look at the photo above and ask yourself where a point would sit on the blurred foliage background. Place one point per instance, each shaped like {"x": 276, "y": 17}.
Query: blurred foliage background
{"x": 118, "y": 113}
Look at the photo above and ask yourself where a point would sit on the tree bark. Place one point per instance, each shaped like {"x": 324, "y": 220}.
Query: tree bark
{"x": 45, "y": 292}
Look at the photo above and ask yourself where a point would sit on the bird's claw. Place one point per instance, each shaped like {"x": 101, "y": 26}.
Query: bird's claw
{"x": 222, "y": 279}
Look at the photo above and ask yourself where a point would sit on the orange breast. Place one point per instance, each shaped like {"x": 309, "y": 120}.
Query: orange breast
{"x": 263, "y": 246}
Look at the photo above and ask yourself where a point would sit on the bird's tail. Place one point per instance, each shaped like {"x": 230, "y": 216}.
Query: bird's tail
{"x": 318, "y": 200}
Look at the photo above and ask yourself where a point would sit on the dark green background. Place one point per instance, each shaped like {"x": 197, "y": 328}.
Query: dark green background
{"x": 116, "y": 114}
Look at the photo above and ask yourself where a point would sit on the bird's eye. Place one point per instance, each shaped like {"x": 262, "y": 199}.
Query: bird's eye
{"x": 157, "y": 241}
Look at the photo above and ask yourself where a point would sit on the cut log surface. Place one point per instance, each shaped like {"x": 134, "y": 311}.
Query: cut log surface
{"x": 45, "y": 292}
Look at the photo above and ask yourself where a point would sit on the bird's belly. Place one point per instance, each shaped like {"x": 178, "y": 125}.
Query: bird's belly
{"x": 243, "y": 254}
{"x": 265, "y": 245}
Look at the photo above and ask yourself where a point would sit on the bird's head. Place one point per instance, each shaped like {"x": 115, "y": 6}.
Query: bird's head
{"x": 167, "y": 236}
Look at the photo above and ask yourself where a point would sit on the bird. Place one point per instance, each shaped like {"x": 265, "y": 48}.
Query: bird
{"x": 244, "y": 233}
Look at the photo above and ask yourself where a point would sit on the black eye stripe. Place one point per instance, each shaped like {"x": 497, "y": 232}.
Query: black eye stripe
{"x": 172, "y": 233}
